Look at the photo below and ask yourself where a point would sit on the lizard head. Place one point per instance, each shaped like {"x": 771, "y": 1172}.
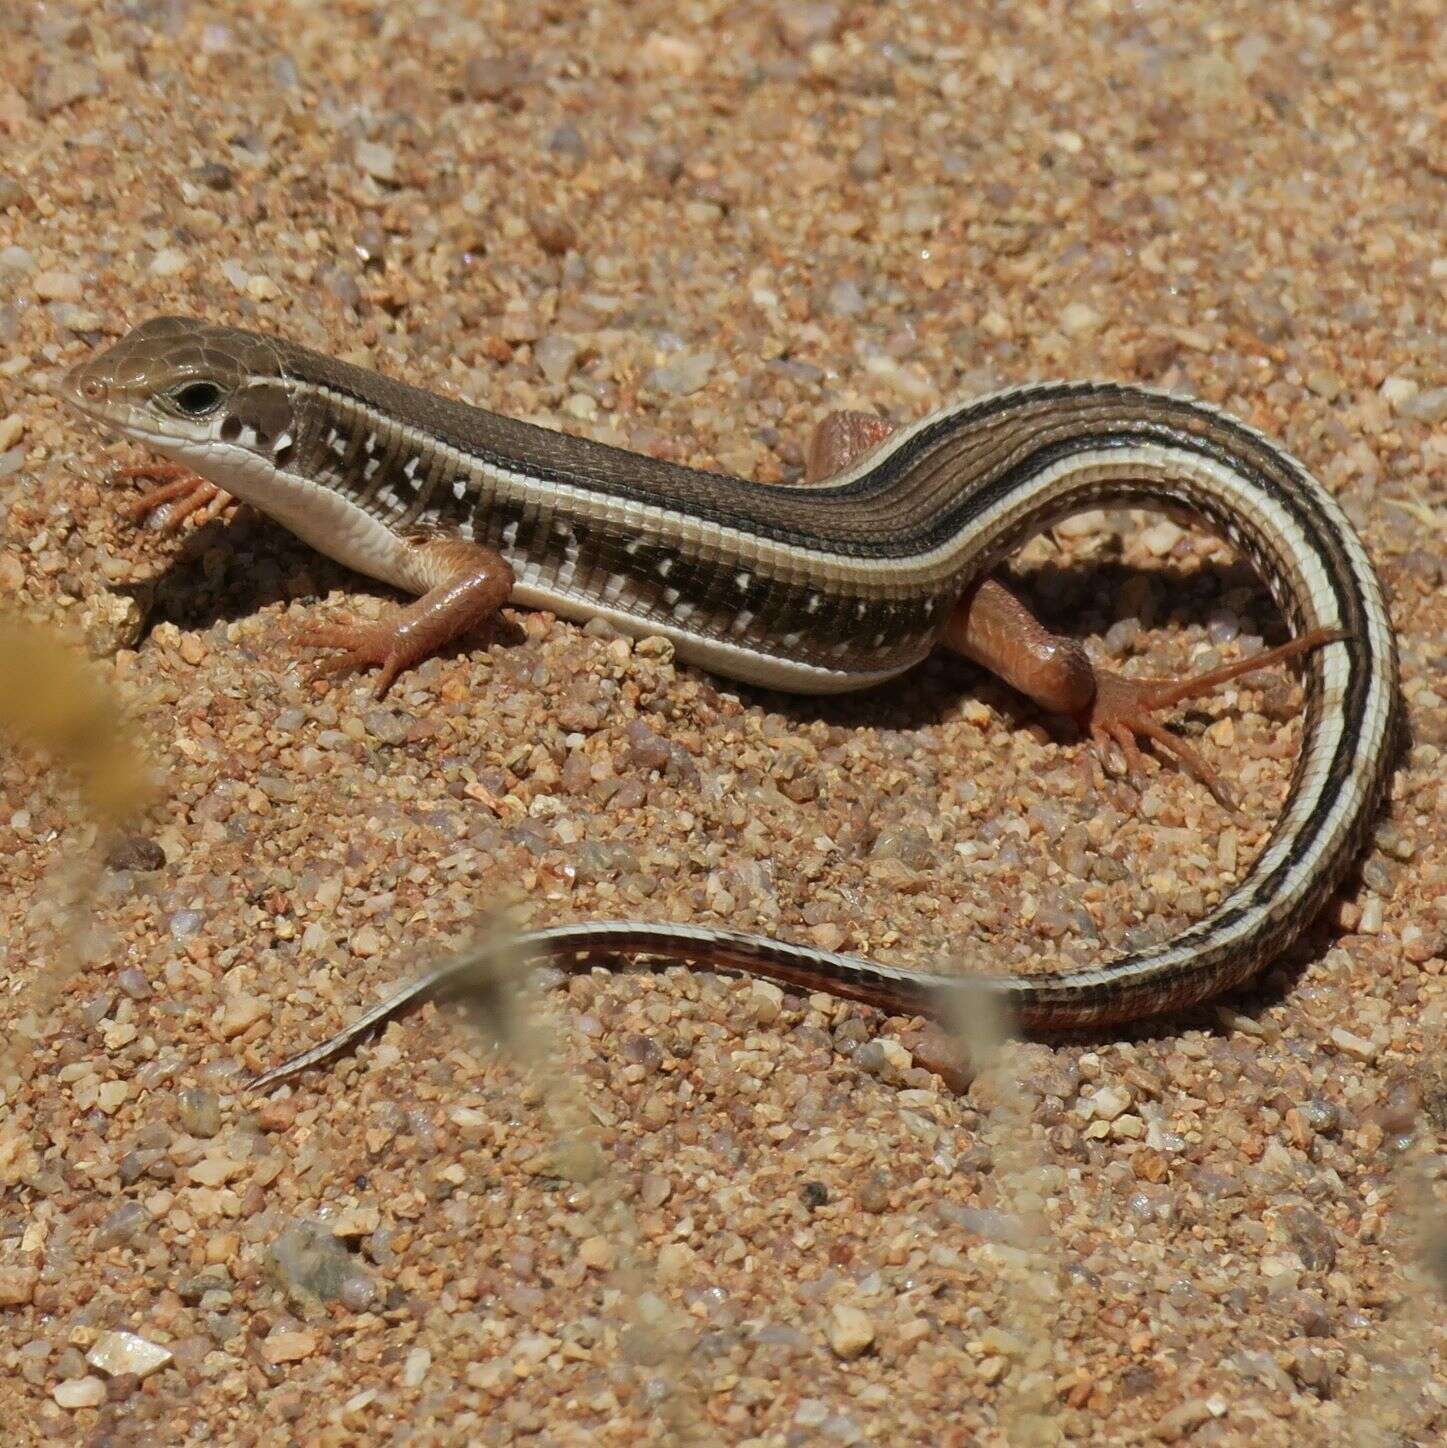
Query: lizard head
{"x": 184, "y": 387}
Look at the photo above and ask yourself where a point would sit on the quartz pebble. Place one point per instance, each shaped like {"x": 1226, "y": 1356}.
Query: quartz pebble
{"x": 1429, "y": 406}
{"x": 313, "y": 1263}
{"x": 239, "y": 1014}
{"x": 377, "y": 160}
{"x": 1106, "y": 1104}
{"x": 169, "y": 262}
{"x": 414, "y": 1368}
{"x": 200, "y": 1110}
{"x": 77, "y": 1393}
{"x": 1078, "y": 319}
{"x": 122, "y": 1224}
{"x": 850, "y": 1331}
{"x": 556, "y": 356}
{"x": 57, "y": 286}
{"x": 1351, "y": 1044}
{"x": 674, "y": 1261}
{"x": 115, "y": 1353}
{"x": 683, "y": 377}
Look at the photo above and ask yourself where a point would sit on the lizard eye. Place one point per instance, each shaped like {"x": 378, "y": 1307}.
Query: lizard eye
{"x": 196, "y": 399}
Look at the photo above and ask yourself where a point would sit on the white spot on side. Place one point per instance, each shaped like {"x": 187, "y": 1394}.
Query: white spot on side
{"x": 631, "y": 549}
{"x": 369, "y": 470}
{"x": 742, "y": 581}
{"x": 337, "y": 443}
{"x": 665, "y": 567}
{"x": 409, "y": 468}
{"x": 742, "y": 619}
{"x": 459, "y": 488}
{"x": 283, "y": 442}
{"x": 811, "y": 604}
{"x": 510, "y": 534}
{"x": 671, "y": 596}
{"x": 683, "y": 612}
{"x": 792, "y": 639}
{"x": 860, "y": 609}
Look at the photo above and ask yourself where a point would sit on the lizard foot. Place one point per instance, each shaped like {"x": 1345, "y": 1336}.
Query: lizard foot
{"x": 363, "y": 646}
{"x": 1122, "y": 710}
{"x": 178, "y": 494}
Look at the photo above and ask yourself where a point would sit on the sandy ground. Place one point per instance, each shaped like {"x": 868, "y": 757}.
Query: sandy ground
{"x": 689, "y": 1209}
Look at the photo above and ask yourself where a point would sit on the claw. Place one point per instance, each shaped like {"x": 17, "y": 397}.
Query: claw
{"x": 1135, "y": 762}
{"x": 156, "y": 471}
{"x": 1190, "y": 760}
{"x": 179, "y": 493}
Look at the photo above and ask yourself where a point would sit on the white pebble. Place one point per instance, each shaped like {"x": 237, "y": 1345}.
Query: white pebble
{"x": 125, "y": 1352}
{"x": 87, "y": 1392}
{"x": 414, "y": 1369}
{"x": 168, "y": 263}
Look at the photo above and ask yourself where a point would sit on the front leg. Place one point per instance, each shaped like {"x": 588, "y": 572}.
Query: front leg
{"x": 463, "y": 586}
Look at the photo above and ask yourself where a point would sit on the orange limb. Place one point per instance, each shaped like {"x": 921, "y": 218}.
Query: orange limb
{"x": 466, "y": 586}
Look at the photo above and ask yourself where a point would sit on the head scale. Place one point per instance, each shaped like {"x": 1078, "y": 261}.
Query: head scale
{"x": 179, "y": 385}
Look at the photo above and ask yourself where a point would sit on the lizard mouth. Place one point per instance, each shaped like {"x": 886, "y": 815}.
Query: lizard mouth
{"x": 92, "y": 399}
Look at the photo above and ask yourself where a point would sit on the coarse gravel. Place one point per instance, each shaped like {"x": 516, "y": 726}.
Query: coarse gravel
{"x": 684, "y": 1208}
